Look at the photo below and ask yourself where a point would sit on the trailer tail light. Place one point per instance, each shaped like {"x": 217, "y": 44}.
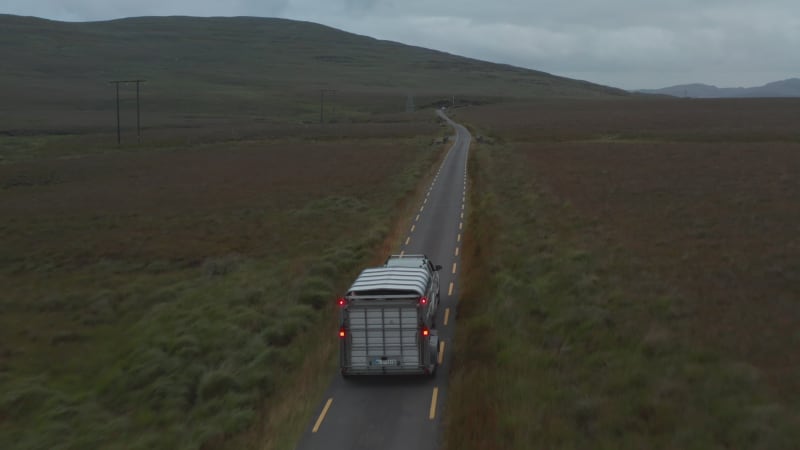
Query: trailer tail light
{"x": 425, "y": 332}
{"x": 342, "y": 333}
{"x": 341, "y": 302}
{"x": 423, "y": 301}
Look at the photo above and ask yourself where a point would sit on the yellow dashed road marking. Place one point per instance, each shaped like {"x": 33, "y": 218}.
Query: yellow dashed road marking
{"x": 322, "y": 415}
{"x": 446, "y": 316}
{"x": 434, "y": 396}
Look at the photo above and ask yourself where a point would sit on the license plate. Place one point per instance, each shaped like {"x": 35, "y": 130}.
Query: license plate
{"x": 385, "y": 362}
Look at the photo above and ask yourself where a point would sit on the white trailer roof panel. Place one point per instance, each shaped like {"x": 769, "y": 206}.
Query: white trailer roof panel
{"x": 402, "y": 279}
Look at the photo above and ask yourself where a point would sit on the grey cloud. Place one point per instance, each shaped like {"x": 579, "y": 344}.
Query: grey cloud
{"x": 715, "y": 42}
{"x": 361, "y": 5}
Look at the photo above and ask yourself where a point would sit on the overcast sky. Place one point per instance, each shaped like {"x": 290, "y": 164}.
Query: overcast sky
{"x": 624, "y": 43}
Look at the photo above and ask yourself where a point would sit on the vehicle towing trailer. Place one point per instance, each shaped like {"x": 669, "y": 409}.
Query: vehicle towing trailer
{"x": 386, "y": 323}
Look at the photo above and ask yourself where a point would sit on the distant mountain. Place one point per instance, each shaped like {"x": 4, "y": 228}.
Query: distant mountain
{"x": 785, "y": 88}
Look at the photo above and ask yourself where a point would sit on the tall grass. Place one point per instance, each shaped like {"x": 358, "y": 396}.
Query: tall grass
{"x": 567, "y": 342}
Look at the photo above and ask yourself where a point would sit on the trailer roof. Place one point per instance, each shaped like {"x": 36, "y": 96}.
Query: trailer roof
{"x": 400, "y": 280}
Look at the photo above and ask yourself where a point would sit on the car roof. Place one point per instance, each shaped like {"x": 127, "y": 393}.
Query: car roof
{"x": 406, "y": 261}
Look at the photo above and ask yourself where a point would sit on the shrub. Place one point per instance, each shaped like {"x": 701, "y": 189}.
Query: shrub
{"x": 101, "y": 310}
{"x": 344, "y": 258}
{"x": 158, "y": 266}
{"x": 281, "y": 333}
{"x": 185, "y": 347}
{"x": 216, "y": 383}
{"x": 248, "y": 296}
{"x": 66, "y": 337}
{"x": 260, "y": 373}
{"x": 146, "y": 366}
{"x": 27, "y": 397}
{"x": 323, "y": 268}
{"x": 60, "y": 302}
{"x": 315, "y": 291}
{"x": 157, "y": 296}
{"x": 222, "y": 265}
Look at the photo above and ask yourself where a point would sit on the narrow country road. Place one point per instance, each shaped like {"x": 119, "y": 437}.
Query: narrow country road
{"x": 394, "y": 413}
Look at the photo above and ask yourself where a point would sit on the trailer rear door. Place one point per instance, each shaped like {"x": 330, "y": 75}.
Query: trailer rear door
{"x": 384, "y": 335}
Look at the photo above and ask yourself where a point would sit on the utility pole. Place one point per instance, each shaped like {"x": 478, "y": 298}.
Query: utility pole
{"x": 409, "y": 103}
{"x": 119, "y": 137}
{"x": 138, "y": 116}
{"x": 138, "y": 110}
{"x": 322, "y": 103}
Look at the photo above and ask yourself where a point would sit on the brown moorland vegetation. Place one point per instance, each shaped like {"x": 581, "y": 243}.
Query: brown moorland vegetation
{"x": 664, "y": 232}
{"x": 158, "y": 296}
{"x": 640, "y": 120}
{"x": 720, "y": 224}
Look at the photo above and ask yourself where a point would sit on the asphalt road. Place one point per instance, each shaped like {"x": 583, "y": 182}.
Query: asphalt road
{"x": 406, "y": 412}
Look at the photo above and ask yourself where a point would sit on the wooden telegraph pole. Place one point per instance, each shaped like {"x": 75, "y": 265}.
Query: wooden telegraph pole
{"x": 322, "y": 103}
{"x": 138, "y": 110}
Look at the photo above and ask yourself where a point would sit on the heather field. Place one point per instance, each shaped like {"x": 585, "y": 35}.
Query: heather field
{"x": 168, "y": 295}
{"x": 642, "y": 260}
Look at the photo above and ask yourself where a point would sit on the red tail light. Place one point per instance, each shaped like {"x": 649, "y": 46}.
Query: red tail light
{"x": 341, "y": 301}
{"x": 425, "y": 332}
{"x": 342, "y": 333}
{"x": 423, "y": 300}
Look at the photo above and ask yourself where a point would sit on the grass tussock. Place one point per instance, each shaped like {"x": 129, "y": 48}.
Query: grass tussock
{"x": 568, "y": 341}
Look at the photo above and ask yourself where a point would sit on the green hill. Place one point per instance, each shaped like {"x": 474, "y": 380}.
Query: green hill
{"x": 272, "y": 68}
